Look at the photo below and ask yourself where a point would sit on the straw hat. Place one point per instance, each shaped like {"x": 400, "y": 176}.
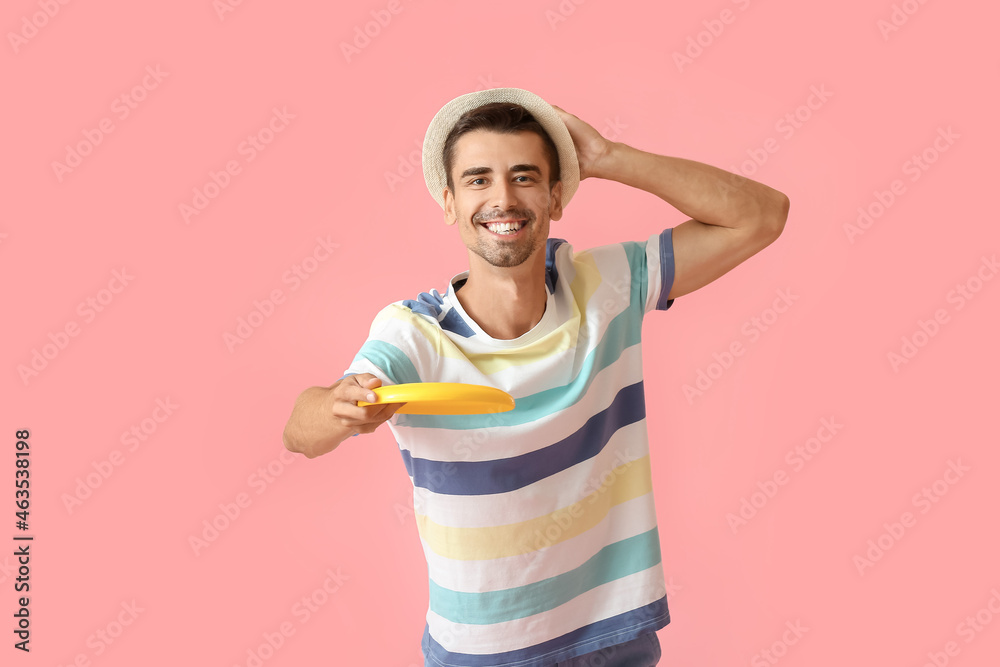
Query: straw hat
{"x": 445, "y": 119}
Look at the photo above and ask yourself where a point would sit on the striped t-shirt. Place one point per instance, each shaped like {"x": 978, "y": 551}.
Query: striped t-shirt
{"x": 538, "y": 524}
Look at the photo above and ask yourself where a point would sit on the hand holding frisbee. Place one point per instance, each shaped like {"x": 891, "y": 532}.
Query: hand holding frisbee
{"x": 443, "y": 398}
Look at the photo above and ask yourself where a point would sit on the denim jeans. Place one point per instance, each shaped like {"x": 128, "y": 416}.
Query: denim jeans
{"x": 643, "y": 651}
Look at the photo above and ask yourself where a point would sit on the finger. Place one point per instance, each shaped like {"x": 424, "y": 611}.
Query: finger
{"x": 562, "y": 112}
{"x": 384, "y": 414}
{"x": 371, "y": 381}
{"x": 366, "y": 380}
{"x": 360, "y": 389}
{"x": 388, "y": 410}
{"x": 351, "y": 415}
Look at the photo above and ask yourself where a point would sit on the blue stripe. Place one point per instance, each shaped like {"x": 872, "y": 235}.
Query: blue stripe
{"x": 615, "y": 561}
{"x": 426, "y": 304}
{"x": 469, "y": 478}
{"x": 608, "y": 632}
{"x": 431, "y": 305}
{"x": 454, "y": 323}
{"x": 551, "y": 271}
{"x": 666, "y": 268}
{"x": 390, "y": 359}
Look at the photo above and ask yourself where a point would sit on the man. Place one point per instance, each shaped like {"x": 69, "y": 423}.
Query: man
{"x": 538, "y": 524}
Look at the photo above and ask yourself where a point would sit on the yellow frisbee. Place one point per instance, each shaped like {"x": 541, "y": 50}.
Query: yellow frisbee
{"x": 443, "y": 398}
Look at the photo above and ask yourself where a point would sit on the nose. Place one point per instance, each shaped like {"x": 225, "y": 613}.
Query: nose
{"x": 504, "y": 195}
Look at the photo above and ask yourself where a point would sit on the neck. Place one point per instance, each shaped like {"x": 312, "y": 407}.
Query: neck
{"x": 506, "y": 303}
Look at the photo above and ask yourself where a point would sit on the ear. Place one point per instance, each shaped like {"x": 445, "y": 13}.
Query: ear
{"x": 450, "y": 217}
{"x": 555, "y": 202}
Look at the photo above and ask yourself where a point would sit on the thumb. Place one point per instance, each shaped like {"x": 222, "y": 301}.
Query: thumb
{"x": 369, "y": 381}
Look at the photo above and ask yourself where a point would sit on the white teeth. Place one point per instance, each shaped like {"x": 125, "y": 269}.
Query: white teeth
{"x": 503, "y": 227}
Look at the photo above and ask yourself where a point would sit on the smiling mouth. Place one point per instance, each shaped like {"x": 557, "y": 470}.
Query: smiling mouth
{"x": 504, "y": 228}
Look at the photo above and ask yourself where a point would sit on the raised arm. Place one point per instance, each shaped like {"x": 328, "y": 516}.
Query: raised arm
{"x": 732, "y": 217}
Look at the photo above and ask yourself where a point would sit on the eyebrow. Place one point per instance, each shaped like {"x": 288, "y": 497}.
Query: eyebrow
{"x": 476, "y": 171}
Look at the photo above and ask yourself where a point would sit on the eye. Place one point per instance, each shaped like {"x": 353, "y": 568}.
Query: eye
{"x": 473, "y": 182}
{"x": 527, "y": 179}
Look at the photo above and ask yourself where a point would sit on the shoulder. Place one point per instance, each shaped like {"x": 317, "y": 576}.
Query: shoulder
{"x": 609, "y": 258}
{"x": 429, "y": 311}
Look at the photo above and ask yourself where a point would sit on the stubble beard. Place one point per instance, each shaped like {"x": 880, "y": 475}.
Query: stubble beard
{"x": 506, "y": 254}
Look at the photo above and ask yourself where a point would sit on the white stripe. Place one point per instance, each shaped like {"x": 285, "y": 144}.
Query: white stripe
{"x": 543, "y": 497}
{"x": 653, "y": 266}
{"x": 628, "y": 519}
{"x": 605, "y": 601}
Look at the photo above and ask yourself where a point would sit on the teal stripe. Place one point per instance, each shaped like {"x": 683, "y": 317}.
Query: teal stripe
{"x": 624, "y": 331}
{"x": 393, "y": 362}
{"x": 614, "y": 561}
{"x": 636, "y": 253}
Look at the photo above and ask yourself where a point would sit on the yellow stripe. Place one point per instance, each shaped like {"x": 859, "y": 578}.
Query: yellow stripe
{"x": 439, "y": 343}
{"x": 626, "y": 482}
{"x": 585, "y": 282}
{"x": 555, "y": 342}
{"x": 587, "y": 278}
{"x": 488, "y": 362}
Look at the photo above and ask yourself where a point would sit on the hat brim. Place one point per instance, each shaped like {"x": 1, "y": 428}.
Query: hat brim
{"x": 444, "y": 120}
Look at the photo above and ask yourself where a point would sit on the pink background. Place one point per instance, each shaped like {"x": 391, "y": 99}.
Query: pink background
{"x": 324, "y": 175}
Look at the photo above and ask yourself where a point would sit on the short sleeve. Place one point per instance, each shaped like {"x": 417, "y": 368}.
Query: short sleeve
{"x": 385, "y": 352}
{"x": 639, "y": 273}
{"x": 659, "y": 270}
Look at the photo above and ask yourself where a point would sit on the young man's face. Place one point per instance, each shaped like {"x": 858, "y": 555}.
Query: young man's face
{"x": 502, "y": 177}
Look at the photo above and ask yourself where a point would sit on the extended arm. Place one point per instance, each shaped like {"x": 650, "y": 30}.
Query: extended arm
{"x": 323, "y": 417}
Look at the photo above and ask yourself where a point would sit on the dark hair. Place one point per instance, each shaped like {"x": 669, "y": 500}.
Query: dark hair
{"x": 505, "y": 118}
